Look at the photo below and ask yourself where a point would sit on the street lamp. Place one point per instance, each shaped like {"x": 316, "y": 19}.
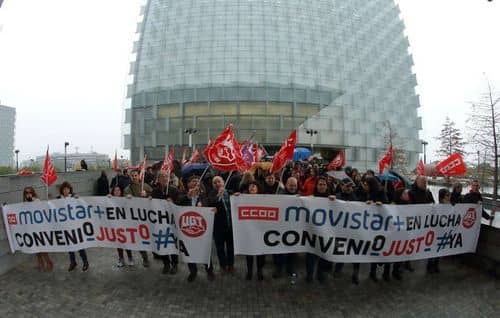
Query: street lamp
{"x": 311, "y": 132}
{"x": 425, "y": 143}
{"x": 191, "y": 131}
{"x": 17, "y": 159}
{"x": 66, "y": 144}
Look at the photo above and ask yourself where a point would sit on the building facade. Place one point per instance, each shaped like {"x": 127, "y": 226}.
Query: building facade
{"x": 7, "y": 131}
{"x": 339, "y": 68}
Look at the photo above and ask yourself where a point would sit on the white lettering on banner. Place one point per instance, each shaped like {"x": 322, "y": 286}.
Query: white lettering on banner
{"x": 449, "y": 166}
{"x": 138, "y": 224}
{"x": 352, "y": 231}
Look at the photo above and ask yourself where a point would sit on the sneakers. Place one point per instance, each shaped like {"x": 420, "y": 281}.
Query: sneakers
{"x": 120, "y": 263}
{"x": 85, "y": 267}
{"x": 71, "y": 267}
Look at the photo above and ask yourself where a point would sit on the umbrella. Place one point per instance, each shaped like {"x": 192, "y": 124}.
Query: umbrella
{"x": 387, "y": 177}
{"x": 301, "y": 153}
{"x": 194, "y": 169}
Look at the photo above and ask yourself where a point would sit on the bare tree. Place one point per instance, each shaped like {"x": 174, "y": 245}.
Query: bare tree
{"x": 399, "y": 159}
{"x": 450, "y": 139}
{"x": 482, "y": 125}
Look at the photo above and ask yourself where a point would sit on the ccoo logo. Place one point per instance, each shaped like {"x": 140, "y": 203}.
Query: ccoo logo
{"x": 192, "y": 224}
{"x": 469, "y": 218}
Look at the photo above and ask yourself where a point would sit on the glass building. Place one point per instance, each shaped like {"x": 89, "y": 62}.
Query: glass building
{"x": 340, "y": 68}
{"x": 7, "y": 130}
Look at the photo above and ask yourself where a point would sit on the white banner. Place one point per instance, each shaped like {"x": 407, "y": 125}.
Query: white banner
{"x": 352, "y": 232}
{"x": 138, "y": 224}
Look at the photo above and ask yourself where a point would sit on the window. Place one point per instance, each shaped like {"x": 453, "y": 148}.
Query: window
{"x": 284, "y": 109}
{"x": 223, "y": 108}
{"x": 193, "y": 109}
{"x": 170, "y": 110}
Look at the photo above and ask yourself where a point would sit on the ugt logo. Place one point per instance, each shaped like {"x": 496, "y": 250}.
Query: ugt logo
{"x": 259, "y": 213}
{"x": 12, "y": 219}
{"x": 192, "y": 224}
{"x": 469, "y": 218}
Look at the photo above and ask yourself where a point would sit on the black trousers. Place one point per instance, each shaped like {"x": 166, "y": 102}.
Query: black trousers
{"x": 261, "y": 260}
{"x": 224, "y": 246}
{"x": 285, "y": 260}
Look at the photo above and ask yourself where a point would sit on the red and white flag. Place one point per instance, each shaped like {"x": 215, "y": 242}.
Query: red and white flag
{"x": 452, "y": 166}
{"x": 168, "y": 162}
{"x": 224, "y": 153}
{"x": 386, "y": 160}
{"x": 337, "y": 162}
{"x": 421, "y": 168}
{"x": 184, "y": 152}
{"x": 115, "y": 163}
{"x": 285, "y": 153}
{"x": 195, "y": 156}
{"x": 49, "y": 175}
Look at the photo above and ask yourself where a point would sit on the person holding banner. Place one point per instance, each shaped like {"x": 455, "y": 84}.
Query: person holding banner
{"x": 164, "y": 191}
{"x": 65, "y": 192}
{"x": 117, "y": 192}
{"x": 253, "y": 188}
{"x": 270, "y": 185}
{"x": 433, "y": 263}
{"x": 376, "y": 195}
{"x": 43, "y": 259}
{"x": 288, "y": 260}
{"x": 320, "y": 190}
{"x": 474, "y": 196}
{"x": 136, "y": 189}
{"x": 223, "y": 231}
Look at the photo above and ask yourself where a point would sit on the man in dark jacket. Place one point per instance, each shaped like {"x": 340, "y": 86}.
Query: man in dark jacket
{"x": 474, "y": 196}
{"x": 270, "y": 185}
{"x": 166, "y": 192}
{"x": 419, "y": 192}
{"x": 223, "y": 230}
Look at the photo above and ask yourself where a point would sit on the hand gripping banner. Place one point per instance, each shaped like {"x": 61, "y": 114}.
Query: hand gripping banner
{"x": 352, "y": 232}
{"x": 138, "y": 224}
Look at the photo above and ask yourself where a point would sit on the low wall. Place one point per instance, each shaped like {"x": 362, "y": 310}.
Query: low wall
{"x": 11, "y": 189}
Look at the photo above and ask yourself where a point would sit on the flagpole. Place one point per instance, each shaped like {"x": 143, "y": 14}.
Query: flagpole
{"x": 281, "y": 178}
{"x": 204, "y": 172}
{"x": 227, "y": 180}
{"x": 168, "y": 181}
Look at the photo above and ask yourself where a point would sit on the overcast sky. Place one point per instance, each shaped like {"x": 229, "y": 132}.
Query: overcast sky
{"x": 64, "y": 65}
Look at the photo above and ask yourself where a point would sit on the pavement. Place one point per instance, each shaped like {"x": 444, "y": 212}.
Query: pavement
{"x": 108, "y": 291}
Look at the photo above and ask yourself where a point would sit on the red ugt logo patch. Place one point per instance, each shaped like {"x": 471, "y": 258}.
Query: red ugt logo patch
{"x": 12, "y": 219}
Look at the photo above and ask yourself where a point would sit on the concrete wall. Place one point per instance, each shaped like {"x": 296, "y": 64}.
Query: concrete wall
{"x": 11, "y": 189}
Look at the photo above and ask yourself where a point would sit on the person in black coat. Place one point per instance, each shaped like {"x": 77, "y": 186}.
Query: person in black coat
{"x": 163, "y": 191}
{"x": 223, "y": 230}
{"x": 456, "y": 194}
{"x": 196, "y": 196}
{"x": 270, "y": 185}
{"x": 474, "y": 196}
{"x": 103, "y": 184}
{"x": 419, "y": 193}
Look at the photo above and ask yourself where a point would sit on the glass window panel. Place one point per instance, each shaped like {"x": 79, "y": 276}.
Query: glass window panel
{"x": 193, "y": 109}
{"x": 249, "y": 108}
{"x": 266, "y": 122}
{"x": 284, "y": 109}
{"x": 209, "y": 122}
{"x": 170, "y": 110}
{"x": 175, "y": 124}
{"x": 306, "y": 110}
{"x": 223, "y": 108}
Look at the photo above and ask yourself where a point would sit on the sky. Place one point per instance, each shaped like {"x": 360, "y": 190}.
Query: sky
{"x": 64, "y": 67}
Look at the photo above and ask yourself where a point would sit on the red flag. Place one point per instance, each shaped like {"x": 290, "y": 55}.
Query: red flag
{"x": 337, "y": 162}
{"x": 143, "y": 169}
{"x": 183, "y": 160}
{"x": 49, "y": 175}
{"x": 115, "y": 163}
{"x": 285, "y": 153}
{"x": 452, "y": 166}
{"x": 420, "y": 168}
{"x": 386, "y": 160}
{"x": 195, "y": 156}
{"x": 168, "y": 162}
{"x": 224, "y": 153}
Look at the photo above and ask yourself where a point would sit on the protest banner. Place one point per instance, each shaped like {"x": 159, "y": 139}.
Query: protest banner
{"x": 137, "y": 224}
{"x": 352, "y": 232}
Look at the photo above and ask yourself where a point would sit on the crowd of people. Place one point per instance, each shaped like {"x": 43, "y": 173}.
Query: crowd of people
{"x": 297, "y": 178}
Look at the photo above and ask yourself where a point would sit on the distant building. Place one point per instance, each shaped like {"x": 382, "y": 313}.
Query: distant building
{"x": 94, "y": 160}
{"x": 7, "y": 129}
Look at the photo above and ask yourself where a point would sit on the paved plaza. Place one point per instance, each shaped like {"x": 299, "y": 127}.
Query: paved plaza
{"x": 107, "y": 291}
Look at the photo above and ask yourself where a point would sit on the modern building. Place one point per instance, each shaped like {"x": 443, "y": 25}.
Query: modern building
{"x": 340, "y": 69}
{"x": 7, "y": 130}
